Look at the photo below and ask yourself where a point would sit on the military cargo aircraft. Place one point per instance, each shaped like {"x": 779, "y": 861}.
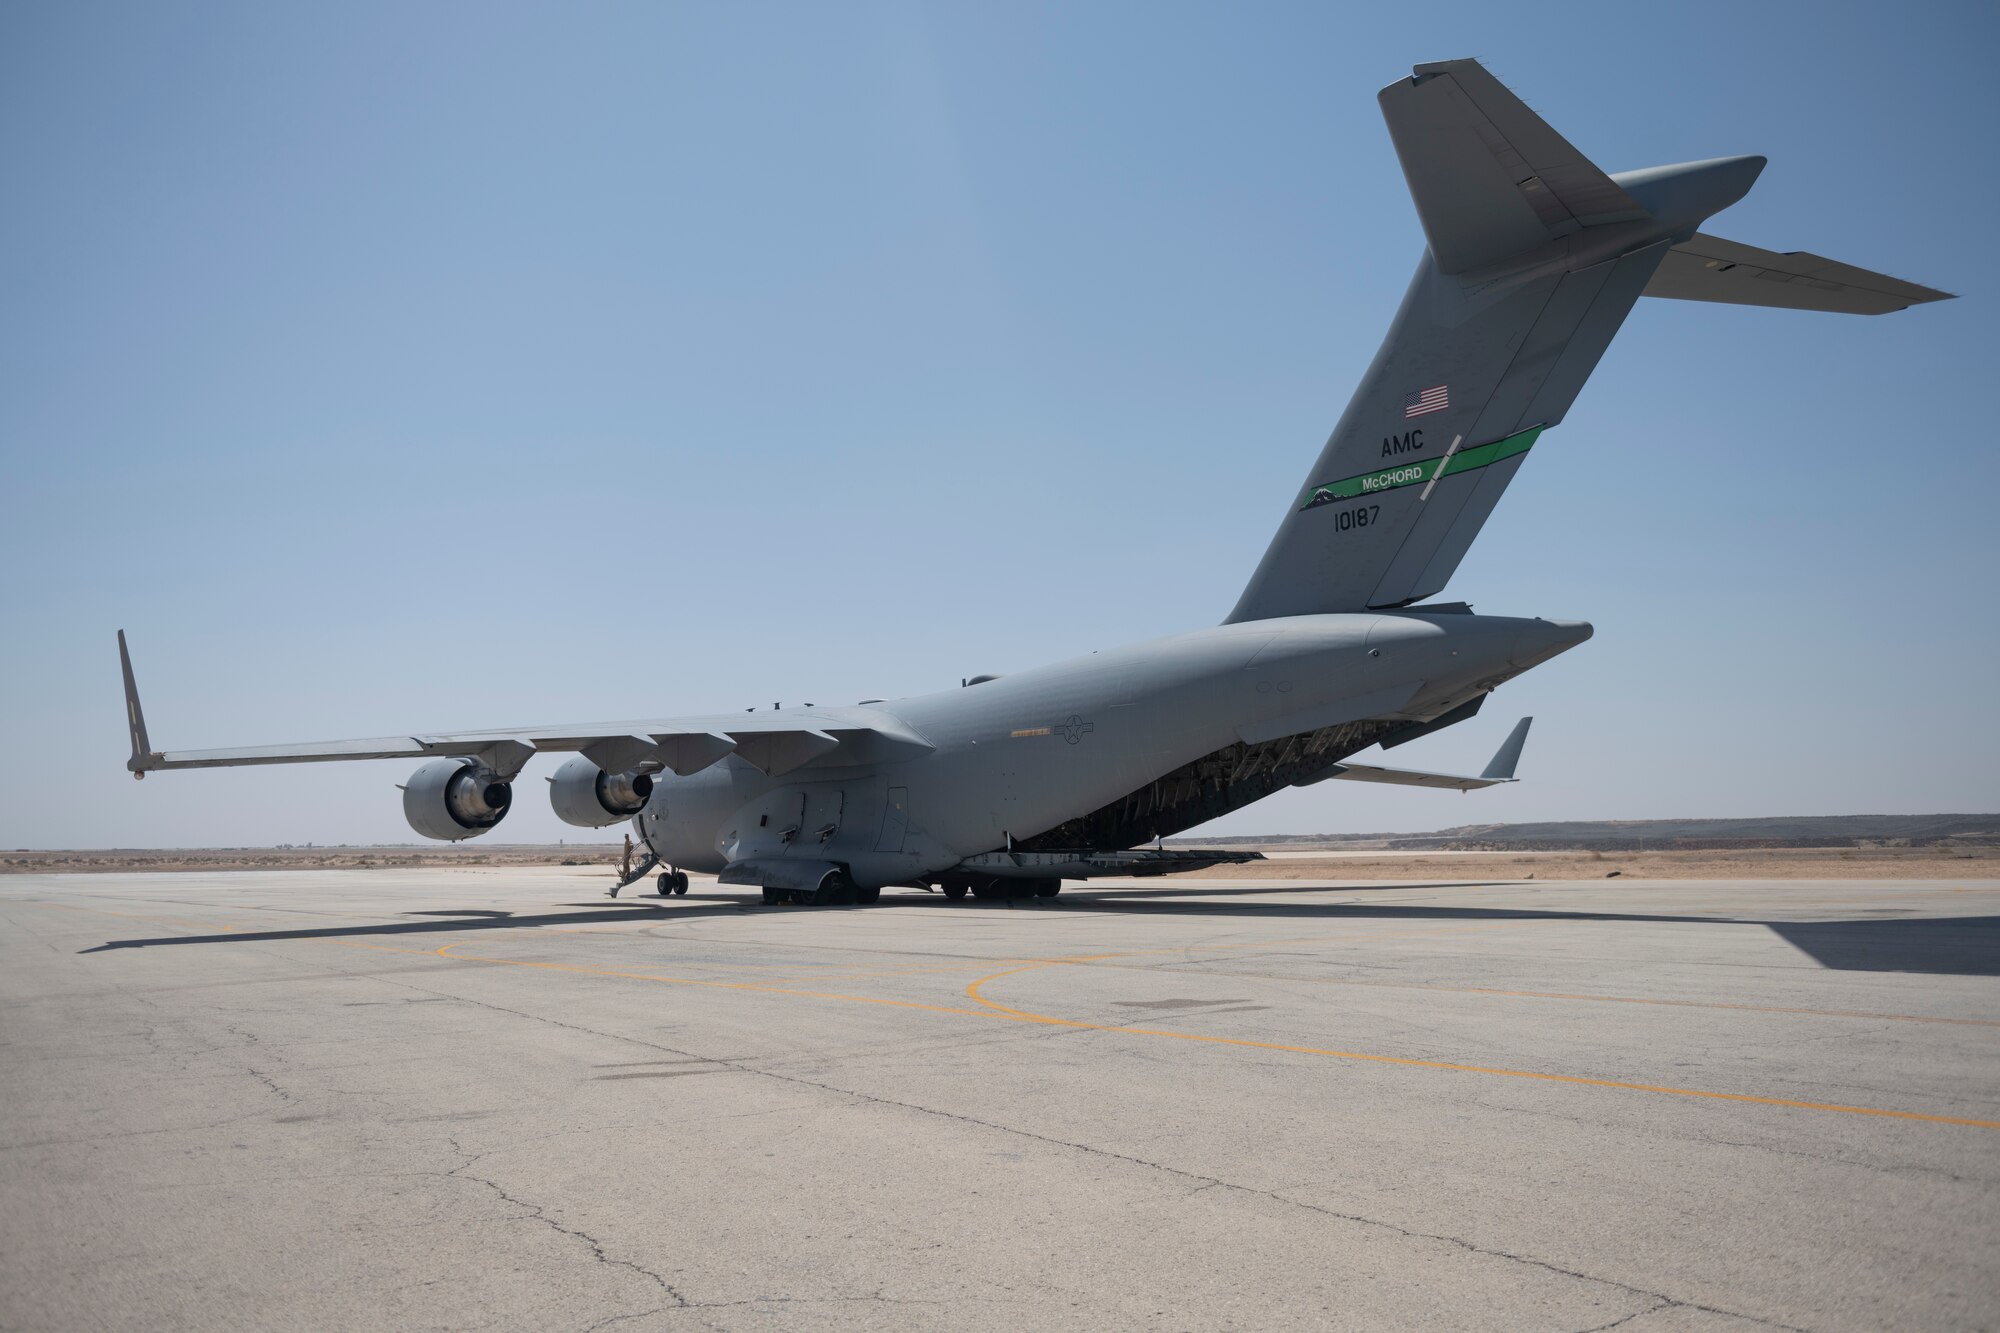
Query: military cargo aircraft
{"x": 1012, "y": 784}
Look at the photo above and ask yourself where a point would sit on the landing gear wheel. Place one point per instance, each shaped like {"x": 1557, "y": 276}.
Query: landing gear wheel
{"x": 868, "y": 897}
{"x": 666, "y": 883}
{"x": 834, "y": 888}
{"x": 680, "y": 881}
{"x": 1047, "y": 888}
{"x": 954, "y": 889}
{"x": 775, "y": 897}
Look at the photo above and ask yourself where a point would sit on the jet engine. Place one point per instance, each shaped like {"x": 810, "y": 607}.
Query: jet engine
{"x": 455, "y": 799}
{"x": 585, "y": 795}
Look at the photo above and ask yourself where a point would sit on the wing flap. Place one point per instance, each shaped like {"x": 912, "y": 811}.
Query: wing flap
{"x": 688, "y": 752}
{"x": 779, "y": 752}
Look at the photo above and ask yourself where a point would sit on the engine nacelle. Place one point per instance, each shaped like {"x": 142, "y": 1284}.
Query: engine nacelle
{"x": 585, "y": 795}
{"x": 455, "y": 799}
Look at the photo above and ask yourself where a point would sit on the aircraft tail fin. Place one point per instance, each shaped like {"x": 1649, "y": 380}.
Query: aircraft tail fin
{"x": 1535, "y": 258}
{"x": 1489, "y": 177}
{"x": 1708, "y": 268}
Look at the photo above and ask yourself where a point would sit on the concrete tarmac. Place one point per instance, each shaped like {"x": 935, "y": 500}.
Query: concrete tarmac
{"x": 494, "y": 1098}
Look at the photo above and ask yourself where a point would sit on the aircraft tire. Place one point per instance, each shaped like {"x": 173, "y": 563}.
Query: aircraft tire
{"x": 834, "y": 889}
{"x": 954, "y": 889}
{"x": 867, "y": 897}
{"x": 775, "y": 897}
{"x": 680, "y": 881}
{"x": 1047, "y": 888}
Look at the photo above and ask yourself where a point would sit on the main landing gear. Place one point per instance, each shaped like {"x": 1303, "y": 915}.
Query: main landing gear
{"x": 834, "y": 890}
{"x": 673, "y": 881}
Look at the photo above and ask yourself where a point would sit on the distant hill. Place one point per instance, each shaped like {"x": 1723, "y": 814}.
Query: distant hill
{"x": 1660, "y": 834}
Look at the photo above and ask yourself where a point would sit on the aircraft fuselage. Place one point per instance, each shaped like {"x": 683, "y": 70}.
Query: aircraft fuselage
{"x": 1019, "y": 755}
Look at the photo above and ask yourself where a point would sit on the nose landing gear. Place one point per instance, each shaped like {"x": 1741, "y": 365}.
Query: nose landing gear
{"x": 630, "y": 873}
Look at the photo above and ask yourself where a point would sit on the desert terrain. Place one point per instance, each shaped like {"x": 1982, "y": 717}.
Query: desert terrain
{"x": 1938, "y": 862}
{"x": 1786, "y": 847}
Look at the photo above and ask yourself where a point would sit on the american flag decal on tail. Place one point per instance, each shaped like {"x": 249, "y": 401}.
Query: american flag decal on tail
{"x": 1426, "y": 401}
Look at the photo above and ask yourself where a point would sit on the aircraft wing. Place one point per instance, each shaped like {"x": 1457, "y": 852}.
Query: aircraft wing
{"x": 1498, "y": 770}
{"x": 1409, "y": 777}
{"x": 775, "y": 742}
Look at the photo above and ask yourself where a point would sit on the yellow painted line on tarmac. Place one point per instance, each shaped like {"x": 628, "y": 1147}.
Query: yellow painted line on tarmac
{"x": 973, "y": 992}
{"x": 992, "y": 1008}
{"x": 1100, "y": 960}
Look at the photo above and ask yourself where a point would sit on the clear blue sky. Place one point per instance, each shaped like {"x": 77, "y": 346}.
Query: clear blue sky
{"x": 412, "y": 367}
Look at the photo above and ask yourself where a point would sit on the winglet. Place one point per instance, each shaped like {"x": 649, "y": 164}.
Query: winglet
{"x": 143, "y": 757}
{"x": 1509, "y": 753}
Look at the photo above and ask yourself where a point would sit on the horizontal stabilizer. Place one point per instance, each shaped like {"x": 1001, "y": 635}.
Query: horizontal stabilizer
{"x": 1708, "y": 268}
{"x": 1490, "y": 177}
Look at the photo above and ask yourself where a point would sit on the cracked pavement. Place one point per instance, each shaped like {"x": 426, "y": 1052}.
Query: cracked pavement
{"x": 295, "y": 1100}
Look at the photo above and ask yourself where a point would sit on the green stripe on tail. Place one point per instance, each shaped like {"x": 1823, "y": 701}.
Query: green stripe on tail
{"x": 1416, "y": 474}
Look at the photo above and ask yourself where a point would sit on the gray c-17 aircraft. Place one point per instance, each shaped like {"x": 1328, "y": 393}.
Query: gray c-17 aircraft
{"x": 1011, "y": 784}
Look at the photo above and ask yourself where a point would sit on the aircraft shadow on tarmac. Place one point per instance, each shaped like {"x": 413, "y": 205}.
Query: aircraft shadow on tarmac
{"x": 1967, "y": 946}
{"x": 1961, "y": 946}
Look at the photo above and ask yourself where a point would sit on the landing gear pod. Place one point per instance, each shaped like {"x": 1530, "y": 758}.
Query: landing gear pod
{"x": 455, "y": 799}
{"x": 585, "y": 795}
